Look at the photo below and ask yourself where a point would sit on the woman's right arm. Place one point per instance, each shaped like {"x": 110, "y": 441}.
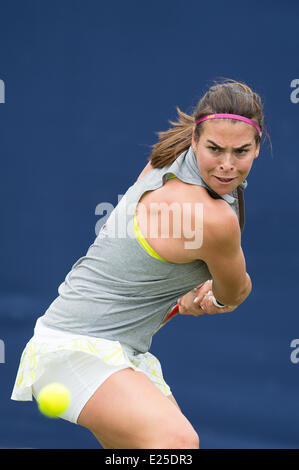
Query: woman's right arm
{"x": 223, "y": 254}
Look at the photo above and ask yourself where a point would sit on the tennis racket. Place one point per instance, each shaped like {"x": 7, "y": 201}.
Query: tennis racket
{"x": 173, "y": 313}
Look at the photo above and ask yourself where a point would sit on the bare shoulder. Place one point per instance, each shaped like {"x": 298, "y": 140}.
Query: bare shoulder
{"x": 217, "y": 213}
{"x": 221, "y": 215}
{"x": 221, "y": 230}
{"x": 195, "y": 222}
{"x": 214, "y": 227}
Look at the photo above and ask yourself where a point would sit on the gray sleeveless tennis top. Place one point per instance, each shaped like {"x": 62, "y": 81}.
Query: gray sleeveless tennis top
{"x": 118, "y": 291}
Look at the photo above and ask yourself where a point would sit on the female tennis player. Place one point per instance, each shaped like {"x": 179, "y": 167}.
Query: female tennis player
{"x": 174, "y": 237}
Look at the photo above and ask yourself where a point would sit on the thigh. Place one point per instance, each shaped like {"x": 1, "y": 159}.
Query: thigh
{"x": 173, "y": 400}
{"x": 128, "y": 411}
{"x": 107, "y": 445}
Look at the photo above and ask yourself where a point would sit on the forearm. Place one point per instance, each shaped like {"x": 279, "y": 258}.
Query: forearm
{"x": 236, "y": 300}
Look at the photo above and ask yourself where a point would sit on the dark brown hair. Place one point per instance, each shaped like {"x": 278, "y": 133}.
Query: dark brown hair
{"x": 225, "y": 96}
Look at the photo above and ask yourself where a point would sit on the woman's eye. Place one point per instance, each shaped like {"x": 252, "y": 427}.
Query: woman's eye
{"x": 239, "y": 152}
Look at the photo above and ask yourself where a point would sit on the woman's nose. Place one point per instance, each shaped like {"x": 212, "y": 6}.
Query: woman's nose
{"x": 226, "y": 167}
{"x": 227, "y": 164}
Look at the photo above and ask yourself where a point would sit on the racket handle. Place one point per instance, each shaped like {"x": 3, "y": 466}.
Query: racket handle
{"x": 173, "y": 312}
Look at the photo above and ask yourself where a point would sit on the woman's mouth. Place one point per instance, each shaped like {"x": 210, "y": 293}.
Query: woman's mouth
{"x": 224, "y": 180}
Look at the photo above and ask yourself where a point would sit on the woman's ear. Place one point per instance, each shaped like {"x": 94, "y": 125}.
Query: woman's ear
{"x": 257, "y": 151}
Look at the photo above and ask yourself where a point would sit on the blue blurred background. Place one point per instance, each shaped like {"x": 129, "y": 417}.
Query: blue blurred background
{"x": 88, "y": 84}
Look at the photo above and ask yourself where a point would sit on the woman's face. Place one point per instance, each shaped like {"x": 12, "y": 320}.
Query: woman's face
{"x": 225, "y": 150}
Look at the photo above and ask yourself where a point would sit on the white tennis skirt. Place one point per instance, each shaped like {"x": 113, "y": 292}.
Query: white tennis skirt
{"x": 81, "y": 363}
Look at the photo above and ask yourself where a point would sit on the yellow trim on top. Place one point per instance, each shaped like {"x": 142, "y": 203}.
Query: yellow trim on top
{"x": 172, "y": 175}
{"x": 143, "y": 242}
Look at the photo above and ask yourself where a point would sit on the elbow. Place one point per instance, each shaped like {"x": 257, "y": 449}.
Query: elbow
{"x": 239, "y": 297}
{"x": 243, "y": 294}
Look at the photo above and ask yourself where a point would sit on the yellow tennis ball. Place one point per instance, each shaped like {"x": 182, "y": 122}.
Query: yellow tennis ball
{"x": 53, "y": 400}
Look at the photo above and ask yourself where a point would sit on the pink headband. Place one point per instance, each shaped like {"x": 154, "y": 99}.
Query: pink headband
{"x": 231, "y": 116}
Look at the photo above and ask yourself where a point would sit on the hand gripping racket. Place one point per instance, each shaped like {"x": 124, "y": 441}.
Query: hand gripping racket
{"x": 173, "y": 313}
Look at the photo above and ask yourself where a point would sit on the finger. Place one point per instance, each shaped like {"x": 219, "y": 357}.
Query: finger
{"x": 200, "y": 299}
{"x": 207, "y": 303}
{"x": 205, "y": 292}
{"x": 198, "y": 312}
